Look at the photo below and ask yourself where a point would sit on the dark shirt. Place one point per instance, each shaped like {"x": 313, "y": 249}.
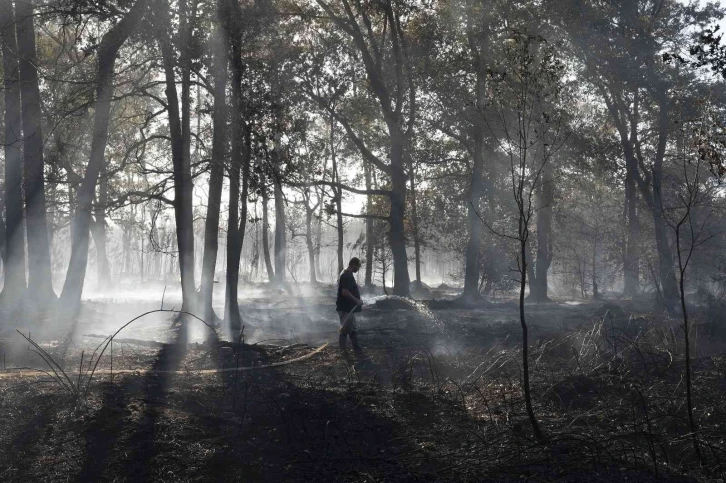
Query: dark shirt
{"x": 343, "y": 303}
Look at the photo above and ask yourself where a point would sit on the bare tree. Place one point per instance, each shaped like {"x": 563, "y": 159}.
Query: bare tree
{"x": 529, "y": 130}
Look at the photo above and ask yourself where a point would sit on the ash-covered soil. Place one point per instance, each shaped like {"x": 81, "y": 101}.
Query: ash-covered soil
{"x": 436, "y": 395}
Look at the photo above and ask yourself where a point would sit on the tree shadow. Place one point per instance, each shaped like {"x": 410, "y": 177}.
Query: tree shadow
{"x": 154, "y": 396}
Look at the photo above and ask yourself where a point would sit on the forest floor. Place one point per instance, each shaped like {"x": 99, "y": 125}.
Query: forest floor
{"x": 435, "y": 396}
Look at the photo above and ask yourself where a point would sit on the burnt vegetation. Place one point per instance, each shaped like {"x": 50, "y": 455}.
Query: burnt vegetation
{"x": 534, "y": 189}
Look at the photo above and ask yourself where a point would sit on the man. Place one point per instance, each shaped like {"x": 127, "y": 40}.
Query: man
{"x": 348, "y": 302}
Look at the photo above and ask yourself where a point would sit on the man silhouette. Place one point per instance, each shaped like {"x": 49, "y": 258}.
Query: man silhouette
{"x": 347, "y": 304}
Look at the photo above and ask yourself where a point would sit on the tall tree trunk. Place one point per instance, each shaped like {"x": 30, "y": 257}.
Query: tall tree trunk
{"x": 39, "y": 273}
{"x": 319, "y": 235}
{"x": 266, "y": 235}
{"x": 98, "y": 227}
{"x": 414, "y": 221}
{"x": 107, "y": 54}
{"x": 665, "y": 257}
{"x": 538, "y": 285}
{"x": 397, "y": 238}
{"x": 369, "y": 227}
{"x": 98, "y": 231}
{"x": 14, "y": 261}
{"x": 280, "y": 240}
{"x": 310, "y": 243}
{"x": 126, "y": 241}
{"x": 338, "y": 194}
{"x": 523, "y": 249}
{"x": 179, "y": 128}
{"x": 216, "y": 175}
{"x": 3, "y": 244}
{"x": 632, "y": 258}
{"x": 471, "y": 274}
{"x": 478, "y": 40}
{"x": 240, "y": 162}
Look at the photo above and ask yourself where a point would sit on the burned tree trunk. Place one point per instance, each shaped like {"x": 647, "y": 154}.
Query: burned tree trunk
{"x": 632, "y": 259}
{"x": 471, "y": 274}
{"x": 397, "y": 238}
{"x": 179, "y": 130}
{"x": 107, "y": 55}
{"x": 369, "y": 228}
{"x": 280, "y": 240}
{"x": 338, "y": 197}
{"x": 538, "y": 284}
{"x": 219, "y": 142}
{"x": 266, "y": 234}
{"x": 240, "y": 163}
{"x": 665, "y": 257}
{"x": 309, "y": 241}
{"x": 14, "y": 261}
{"x": 39, "y": 273}
{"x": 98, "y": 228}
{"x": 414, "y": 222}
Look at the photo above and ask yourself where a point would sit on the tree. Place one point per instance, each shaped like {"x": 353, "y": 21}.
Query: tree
{"x": 220, "y": 51}
{"x": 40, "y": 285}
{"x": 529, "y": 129}
{"x": 179, "y": 127}
{"x": 239, "y": 167}
{"x": 387, "y": 67}
{"x": 107, "y": 54}
{"x": 623, "y": 60}
{"x": 14, "y": 259}
{"x": 687, "y": 211}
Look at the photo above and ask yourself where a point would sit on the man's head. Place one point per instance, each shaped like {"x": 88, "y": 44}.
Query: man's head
{"x": 354, "y": 264}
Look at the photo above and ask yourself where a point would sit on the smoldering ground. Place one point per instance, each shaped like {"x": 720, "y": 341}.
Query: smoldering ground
{"x": 425, "y": 401}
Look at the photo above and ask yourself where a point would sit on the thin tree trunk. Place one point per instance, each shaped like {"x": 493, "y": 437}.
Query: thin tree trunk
{"x": 369, "y": 227}
{"x": 414, "y": 222}
{"x": 686, "y": 329}
{"x": 471, "y": 274}
{"x": 98, "y": 226}
{"x": 216, "y": 175}
{"x": 538, "y": 285}
{"x": 14, "y": 260}
{"x": 523, "y": 236}
{"x": 98, "y": 231}
{"x": 179, "y": 128}
{"x": 3, "y": 245}
{"x": 338, "y": 195}
{"x": 280, "y": 239}
{"x": 478, "y": 40}
{"x": 319, "y": 237}
{"x": 240, "y": 162}
{"x": 665, "y": 258}
{"x": 397, "y": 238}
{"x": 266, "y": 236}
{"x": 39, "y": 273}
{"x": 632, "y": 258}
{"x": 310, "y": 243}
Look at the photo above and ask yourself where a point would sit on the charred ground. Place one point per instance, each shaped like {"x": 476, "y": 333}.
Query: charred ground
{"x": 435, "y": 397}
